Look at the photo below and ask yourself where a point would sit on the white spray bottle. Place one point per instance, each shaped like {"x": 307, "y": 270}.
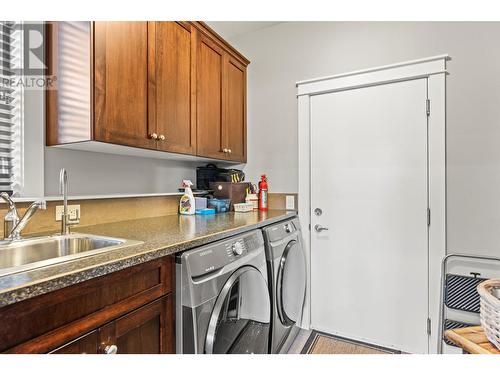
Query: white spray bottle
{"x": 187, "y": 204}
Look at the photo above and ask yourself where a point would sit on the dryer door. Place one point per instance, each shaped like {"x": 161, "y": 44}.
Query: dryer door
{"x": 241, "y": 315}
{"x": 291, "y": 284}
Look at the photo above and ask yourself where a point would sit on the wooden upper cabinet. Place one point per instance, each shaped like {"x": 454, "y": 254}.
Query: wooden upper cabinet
{"x": 121, "y": 83}
{"x": 221, "y": 102}
{"x": 211, "y": 134}
{"x": 235, "y": 109}
{"x": 172, "y": 85}
{"x": 165, "y": 86}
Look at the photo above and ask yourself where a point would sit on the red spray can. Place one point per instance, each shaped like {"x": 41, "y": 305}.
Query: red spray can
{"x": 263, "y": 193}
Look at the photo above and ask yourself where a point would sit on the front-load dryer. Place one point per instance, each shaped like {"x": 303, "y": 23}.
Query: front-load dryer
{"x": 287, "y": 281}
{"x": 222, "y": 300}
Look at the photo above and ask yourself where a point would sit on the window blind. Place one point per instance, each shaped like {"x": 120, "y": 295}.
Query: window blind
{"x": 11, "y": 108}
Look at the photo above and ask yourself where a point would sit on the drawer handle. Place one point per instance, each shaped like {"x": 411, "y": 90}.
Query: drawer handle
{"x": 110, "y": 349}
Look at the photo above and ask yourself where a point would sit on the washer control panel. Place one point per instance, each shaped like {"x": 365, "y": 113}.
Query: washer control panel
{"x": 213, "y": 257}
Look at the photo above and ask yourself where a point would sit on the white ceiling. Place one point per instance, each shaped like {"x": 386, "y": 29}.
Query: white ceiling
{"x": 231, "y": 29}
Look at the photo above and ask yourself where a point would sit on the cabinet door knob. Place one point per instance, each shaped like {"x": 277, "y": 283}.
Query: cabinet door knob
{"x": 229, "y": 150}
{"x": 224, "y": 150}
{"x": 161, "y": 137}
{"x": 153, "y": 136}
{"x": 110, "y": 349}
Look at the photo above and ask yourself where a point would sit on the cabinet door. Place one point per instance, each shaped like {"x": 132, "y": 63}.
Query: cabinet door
{"x": 83, "y": 345}
{"x": 121, "y": 83}
{"x": 172, "y": 85}
{"x": 147, "y": 330}
{"x": 235, "y": 109}
{"x": 210, "y": 134}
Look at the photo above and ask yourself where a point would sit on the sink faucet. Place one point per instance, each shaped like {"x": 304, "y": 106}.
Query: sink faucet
{"x": 15, "y": 234}
{"x": 12, "y": 224}
{"x": 11, "y": 218}
{"x": 66, "y": 221}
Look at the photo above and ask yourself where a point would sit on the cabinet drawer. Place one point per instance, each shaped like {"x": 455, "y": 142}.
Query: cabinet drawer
{"x": 44, "y": 323}
{"x": 87, "y": 344}
{"x": 147, "y": 330}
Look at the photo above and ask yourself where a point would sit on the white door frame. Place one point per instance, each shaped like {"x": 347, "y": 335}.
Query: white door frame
{"x": 432, "y": 68}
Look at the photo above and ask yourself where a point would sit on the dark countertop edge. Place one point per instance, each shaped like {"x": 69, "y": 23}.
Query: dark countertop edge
{"x": 63, "y": 280}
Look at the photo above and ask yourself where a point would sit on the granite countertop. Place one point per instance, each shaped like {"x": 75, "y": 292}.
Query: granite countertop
{"x": 160, "y": 236}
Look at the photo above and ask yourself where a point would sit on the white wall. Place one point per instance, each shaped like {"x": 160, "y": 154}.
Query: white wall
{"x": 92, "y": 173}
{"x": 102, "y": 174}
{"x": 289, "y": 52}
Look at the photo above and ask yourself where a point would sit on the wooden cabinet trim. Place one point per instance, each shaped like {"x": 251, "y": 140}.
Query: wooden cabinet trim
{"x": 152, "y": 79}
{"x": 51, "y": 112}
{"x": 86, "y": 344}
{"x": 209, "y": 32}
{"x": 132, "y": 320}
{"x": 194, "y": 72}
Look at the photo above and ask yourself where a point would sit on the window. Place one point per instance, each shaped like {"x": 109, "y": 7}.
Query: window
{"x": 11, "y": 108}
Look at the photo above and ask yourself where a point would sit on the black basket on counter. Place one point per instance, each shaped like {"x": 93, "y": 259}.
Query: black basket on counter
{"x": 212, "y": 173}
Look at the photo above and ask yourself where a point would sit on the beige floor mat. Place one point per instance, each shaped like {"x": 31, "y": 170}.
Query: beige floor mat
{"x": 324, "y": 344}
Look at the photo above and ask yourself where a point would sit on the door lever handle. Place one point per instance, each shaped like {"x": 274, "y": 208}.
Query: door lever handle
{"x": 318, "y": 228}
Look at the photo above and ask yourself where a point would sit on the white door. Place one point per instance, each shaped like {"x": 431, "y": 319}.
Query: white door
{"x": 369, "y": 178}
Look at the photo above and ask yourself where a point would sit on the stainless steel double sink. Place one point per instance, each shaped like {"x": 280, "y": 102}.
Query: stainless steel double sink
{"x": 31, "y": 253}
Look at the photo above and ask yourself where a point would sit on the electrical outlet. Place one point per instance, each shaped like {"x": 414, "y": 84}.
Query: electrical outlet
{"x": 73, "y": 211}
{"x": 290, "y": 202}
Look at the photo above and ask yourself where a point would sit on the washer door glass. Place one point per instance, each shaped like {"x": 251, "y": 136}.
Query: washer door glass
{"x": 291, "y": 284}
{"x": 241, "y": 315}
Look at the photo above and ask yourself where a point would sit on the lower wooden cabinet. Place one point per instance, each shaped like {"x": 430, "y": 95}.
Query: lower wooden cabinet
{"x": 147, "y": 330}
{"x": 128, "y": 311}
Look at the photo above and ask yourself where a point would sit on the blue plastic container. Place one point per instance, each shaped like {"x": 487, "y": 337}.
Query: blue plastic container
{"x": 220, "y": 205}
{"x": 205, "y": 211}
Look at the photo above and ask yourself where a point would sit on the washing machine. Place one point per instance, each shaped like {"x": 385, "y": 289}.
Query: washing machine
{"x": 287, "y": 276}
{"x": 222, "y": 297}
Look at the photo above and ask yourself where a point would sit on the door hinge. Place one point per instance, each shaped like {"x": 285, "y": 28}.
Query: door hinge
{"x": 428, "y": 326}
{"x": 428, "y": 107}
{"x": 428, "y": 217}
{"x": 309, "y": 226}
